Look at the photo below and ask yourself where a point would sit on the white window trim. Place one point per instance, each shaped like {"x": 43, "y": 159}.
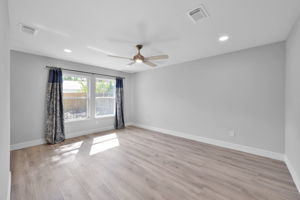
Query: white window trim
{"x": 88, "y": 98}
{"x": 104, "y": 116}
{"x": 95, "y": 97}
{"x": 91, "y": 97}
{"x": 77, "y": 120}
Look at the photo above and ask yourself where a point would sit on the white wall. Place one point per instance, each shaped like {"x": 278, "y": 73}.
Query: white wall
{"x": 28, "y": 82}
{"x": 292, "y": 102}
{"x": 241, "y": 91}
{"x": 4, "y": 101}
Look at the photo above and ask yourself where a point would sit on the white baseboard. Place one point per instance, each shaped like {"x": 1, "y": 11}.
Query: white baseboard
{"x": 238, "y": 147}
{"x": 23, "y": 145}
{"x": 9, "y": 185}
{"x": 293, "y": 173}
{"x": 86, "y": 132}
{"x": 68, "y": 135}
{"x": 129, "y": 124}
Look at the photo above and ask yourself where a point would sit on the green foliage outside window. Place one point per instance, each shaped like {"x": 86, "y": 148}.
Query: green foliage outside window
{"x": 104, "y": 88}
{"x": 83, "y": 86}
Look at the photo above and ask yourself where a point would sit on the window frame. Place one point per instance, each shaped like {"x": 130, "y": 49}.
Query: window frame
{"x": 95, "y": 97}
{"x": 88, "y": 97}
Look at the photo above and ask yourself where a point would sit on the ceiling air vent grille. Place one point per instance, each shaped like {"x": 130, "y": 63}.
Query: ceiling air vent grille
{"x": 198, "y": 13}
{"x": 27, "y": 29}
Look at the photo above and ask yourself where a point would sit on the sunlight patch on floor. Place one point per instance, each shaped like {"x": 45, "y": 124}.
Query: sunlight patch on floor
{"x": 69, "y": 147}
{"x": 65, "y": 157}
{"x": 66, "y": 153}
{"x": 103, "y": 143}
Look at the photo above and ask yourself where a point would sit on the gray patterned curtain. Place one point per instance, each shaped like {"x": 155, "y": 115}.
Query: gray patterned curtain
{"x": 55, "y": 131}
{"x": 119, "y": 117}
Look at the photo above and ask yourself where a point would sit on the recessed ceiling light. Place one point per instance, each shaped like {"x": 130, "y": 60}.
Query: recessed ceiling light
{"x": 68, "y": 50}
{"x": 223, "y": 38}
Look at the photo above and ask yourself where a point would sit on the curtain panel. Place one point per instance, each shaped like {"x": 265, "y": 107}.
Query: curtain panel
{"x": 55, "y": 131}
{"x": 119, "y": 116}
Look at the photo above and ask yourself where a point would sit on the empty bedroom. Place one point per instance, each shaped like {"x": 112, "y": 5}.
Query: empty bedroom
{"x": 150, "y": 100}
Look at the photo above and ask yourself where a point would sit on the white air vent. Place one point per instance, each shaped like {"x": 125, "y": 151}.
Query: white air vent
{"x": 198, "y": 13}
{"x": 27, "y": 29}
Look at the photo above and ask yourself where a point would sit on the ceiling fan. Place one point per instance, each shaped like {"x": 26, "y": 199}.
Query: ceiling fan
{"x": 139, "y": 58}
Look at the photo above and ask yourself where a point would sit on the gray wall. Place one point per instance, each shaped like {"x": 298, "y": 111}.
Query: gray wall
{"x": 4, "y": 100}
{"x": 292, "y": 105}
{"x": 241, "y": 91}
{"x": 28, "y": 84}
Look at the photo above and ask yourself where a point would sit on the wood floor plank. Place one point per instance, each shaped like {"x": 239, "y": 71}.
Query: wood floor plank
{"x": 136, "y": 164}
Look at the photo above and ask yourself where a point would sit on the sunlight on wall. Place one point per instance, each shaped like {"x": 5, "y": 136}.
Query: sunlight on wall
{"x": 104, "y": 143}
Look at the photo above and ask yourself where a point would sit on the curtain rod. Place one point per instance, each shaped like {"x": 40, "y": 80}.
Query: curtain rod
{"x": 73, "y": 70}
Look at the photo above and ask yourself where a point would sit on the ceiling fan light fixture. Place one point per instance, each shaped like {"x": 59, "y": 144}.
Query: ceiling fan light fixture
{"x": 138, "y": 60}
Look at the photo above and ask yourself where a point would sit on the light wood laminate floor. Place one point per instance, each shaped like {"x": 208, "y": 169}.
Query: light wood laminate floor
{"x": 137, "y": 164}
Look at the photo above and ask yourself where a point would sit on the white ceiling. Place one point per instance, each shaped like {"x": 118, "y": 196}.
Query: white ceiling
{"x": 94, "y": 28}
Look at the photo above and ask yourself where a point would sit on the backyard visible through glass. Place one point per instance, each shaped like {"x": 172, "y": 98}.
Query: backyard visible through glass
{"x": 75, "y": 97}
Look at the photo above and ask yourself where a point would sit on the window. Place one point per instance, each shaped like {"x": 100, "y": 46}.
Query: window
{"x": 104, "y": 97}
{"x": 86, "y": 96}
{"x": 76, "y": 97}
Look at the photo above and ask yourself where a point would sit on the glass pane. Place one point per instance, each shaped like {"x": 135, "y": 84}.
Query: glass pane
{"x": 75, "y": 108}
{"x": 105, "y": 88}
{"x": 74, "y": 86}
{"x": 105, "y": 106}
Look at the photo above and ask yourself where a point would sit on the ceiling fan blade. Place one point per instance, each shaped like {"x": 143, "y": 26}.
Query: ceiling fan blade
{"x": 130, "y": 63}
{"x": 119, "y": 57}
{"x": 157, "y": 57}
{"x": 150, "y": 64}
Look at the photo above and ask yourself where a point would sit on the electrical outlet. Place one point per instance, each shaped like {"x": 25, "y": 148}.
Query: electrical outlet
{"x": 231, "y": 133}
